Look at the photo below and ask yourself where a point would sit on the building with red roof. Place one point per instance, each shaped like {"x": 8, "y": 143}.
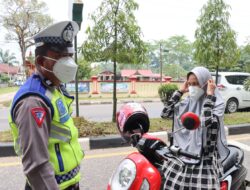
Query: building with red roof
{"x": 126, "y": 74}
{"x": 9, "y": 70}
{"x": 141, "y": 75}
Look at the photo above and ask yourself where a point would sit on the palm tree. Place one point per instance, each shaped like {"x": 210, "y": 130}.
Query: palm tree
{"x": 7, "y": 58}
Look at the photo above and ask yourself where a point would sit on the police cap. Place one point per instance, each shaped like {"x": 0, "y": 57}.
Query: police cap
{"x": 58, "y": 37}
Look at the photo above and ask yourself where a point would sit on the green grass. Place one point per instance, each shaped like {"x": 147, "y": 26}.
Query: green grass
{"x": 237, "y": 118}
{"x": 6, "y": 103}
{"x": 5, "y": 136}
{"x": 8, "y": 90}
{"x": 87, "y": 128}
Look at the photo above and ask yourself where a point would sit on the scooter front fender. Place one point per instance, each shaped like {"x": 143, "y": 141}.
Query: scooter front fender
{"x": 144, "y": 171}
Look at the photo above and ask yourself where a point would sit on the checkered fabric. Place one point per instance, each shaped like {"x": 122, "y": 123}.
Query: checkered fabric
{"x": 168, "y": 110}
{"x": 180, "y": 176}
{"x": 69, "y": 27}
{"x": 206, "y": 174}
{"x": 65, "y": 177}
{"x": 50, "y": 39}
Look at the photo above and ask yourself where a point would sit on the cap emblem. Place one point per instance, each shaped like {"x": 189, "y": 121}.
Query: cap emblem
{"x": 68, "y": 33}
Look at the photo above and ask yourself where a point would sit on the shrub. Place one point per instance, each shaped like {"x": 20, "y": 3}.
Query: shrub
{"x": 166, "y": 91}
{"x": 87, "y": 128}
{"x": 4, "y": 78}
{"x": 247, "y": 84}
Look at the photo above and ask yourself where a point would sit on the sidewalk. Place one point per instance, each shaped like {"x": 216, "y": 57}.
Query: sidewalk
{"x": 90, "y": 101}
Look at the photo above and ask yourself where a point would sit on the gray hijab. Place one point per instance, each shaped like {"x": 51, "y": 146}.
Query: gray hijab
{"x": 193, "y": 141}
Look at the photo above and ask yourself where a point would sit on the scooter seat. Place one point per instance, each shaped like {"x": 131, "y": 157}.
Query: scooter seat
{"x": 231, "y": 159}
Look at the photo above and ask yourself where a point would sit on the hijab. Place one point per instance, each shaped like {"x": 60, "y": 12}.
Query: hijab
{"x": 194, "y": 140}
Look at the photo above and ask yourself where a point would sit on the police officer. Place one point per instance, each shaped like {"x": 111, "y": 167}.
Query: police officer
{"x": 40, "y": 117}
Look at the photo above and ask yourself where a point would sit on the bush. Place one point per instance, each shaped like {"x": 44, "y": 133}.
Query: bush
{"x": 247, "y": 84}
{"x": 4, "y": 78}
{"x": 87, "y": 128}
{"x": 166, "y": 91}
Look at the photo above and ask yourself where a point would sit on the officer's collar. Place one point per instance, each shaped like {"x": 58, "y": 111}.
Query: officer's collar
{"x": 46, "y": 82}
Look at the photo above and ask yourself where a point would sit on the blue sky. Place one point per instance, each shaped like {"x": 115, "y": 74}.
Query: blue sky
{"x": 158, "y": 19}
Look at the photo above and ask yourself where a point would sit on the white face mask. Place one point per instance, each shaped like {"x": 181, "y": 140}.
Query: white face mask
{"x": 195, "y": 92}
{"x": 64, "y": 69}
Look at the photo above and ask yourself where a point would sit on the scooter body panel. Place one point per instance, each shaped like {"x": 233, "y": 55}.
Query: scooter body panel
{"x": 144, "y": 170}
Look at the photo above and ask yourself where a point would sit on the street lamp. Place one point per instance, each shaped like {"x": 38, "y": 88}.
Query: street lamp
{"x": 77, "y": 17}
{"x": 161, "y": 61}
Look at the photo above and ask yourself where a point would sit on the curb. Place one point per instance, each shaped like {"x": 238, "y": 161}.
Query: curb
{"x": 96, "y": 102}
{"x": 238, "y": 129}
{"x": 119, "y": 102}
{"x": 7, "y": 149}
{"x": 112, "y": 141}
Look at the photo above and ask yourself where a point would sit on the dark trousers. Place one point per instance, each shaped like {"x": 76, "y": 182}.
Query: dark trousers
{"x": 72, "y": 187}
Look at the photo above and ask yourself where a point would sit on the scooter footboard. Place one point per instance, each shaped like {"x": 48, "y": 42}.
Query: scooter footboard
{"x": 234, "y": 172}
{"x": 238, "y": 178}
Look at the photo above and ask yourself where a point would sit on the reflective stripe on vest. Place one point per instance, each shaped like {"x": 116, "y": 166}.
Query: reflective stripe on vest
{"x": 59, "y": 137}
{"x": 61, "y": 130}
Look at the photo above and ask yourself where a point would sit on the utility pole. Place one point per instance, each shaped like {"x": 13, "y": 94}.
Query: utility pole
{"x": 160, "y": 64}
{"x": 161, "y": 61}
{"x": 77, "y": 17}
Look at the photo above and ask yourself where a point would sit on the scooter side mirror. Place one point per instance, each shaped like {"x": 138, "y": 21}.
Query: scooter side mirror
{"x": 190, "y": 120}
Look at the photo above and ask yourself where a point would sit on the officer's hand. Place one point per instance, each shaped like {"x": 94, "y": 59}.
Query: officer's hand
{"x": 210, "y": 87}
{"x": 184, "y": 87}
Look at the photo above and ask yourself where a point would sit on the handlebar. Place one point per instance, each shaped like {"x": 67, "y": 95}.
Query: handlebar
{"x": 177, "y": 151}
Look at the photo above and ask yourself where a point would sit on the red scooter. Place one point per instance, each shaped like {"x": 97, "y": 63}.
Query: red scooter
{"x": 141, "y": 170}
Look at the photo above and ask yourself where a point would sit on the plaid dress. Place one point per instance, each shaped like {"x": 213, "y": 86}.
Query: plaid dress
{"x": 204, "y": 176}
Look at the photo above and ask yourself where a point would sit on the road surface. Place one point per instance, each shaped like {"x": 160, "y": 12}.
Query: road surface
{"x": 96, "y": 168}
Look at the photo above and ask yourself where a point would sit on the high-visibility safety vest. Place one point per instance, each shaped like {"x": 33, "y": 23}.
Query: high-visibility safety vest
{"x": 63, "y": 146}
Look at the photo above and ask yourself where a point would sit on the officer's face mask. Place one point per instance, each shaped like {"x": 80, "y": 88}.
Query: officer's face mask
{"x": 195, "y": 92}
{"x": 64, "y": 69}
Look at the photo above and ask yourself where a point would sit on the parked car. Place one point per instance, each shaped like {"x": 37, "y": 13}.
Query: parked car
{"x": 230, "y": 85}
{"x": 19, "y": 82}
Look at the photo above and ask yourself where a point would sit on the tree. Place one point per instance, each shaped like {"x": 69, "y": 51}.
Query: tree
{"x": 23, "y": 19}
{"x": 180, "y": 51}
{"x": 215, "y": 44}
{"x": 175, "y": 71}
{"x": 7, "y": 58}
{"x": 115, "y": 36}
{"x": 176, "y": 54}
{"x": 84, "y": 69}
{"x": 244, "y": 62}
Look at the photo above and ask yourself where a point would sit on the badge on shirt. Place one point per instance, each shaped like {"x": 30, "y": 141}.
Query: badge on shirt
{"x": 39, "y": 115}
{"x": 63, "y": 113}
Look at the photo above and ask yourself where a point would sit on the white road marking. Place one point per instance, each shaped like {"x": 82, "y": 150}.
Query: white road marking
{"x": 241, "y": 145}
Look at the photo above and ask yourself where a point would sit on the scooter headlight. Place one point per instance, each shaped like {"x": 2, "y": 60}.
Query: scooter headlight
{"x": 124, "y": 175}
{"x": 145, "y": 185}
